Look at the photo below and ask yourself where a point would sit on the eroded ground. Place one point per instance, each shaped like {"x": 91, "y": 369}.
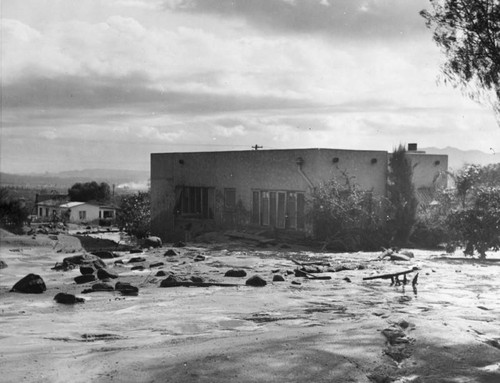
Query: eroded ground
{"x": 338, "y": 330}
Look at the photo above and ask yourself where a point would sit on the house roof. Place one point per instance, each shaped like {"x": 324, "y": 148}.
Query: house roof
{"x": 69, "y": 205}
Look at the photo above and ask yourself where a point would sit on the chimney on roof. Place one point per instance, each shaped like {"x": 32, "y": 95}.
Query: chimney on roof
{"x": 412, "y": 147}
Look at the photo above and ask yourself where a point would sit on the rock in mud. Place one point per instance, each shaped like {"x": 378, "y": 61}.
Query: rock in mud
{"x": 156, "y": 264}
{"x": 104, "y": 254}
{"x": 30, "y": 284}
{"x": 161, "y": 273}
{"x": 256, "y": 281}
{"x": 170, "y": 281}
{"x": 170, "y": 253}
{"x": 135, "y": 251}
{"x": 235, "y": 273}
{"x": 104, "y": 274}
{"x": 196, "y": 279}
{"x": 139, "y": 267}
{"x": 102, "y": 287}
{"x": 83, "y": 259}
{"x": 84, "y": 278}
{"x": 179, "y": 244}
{"x": 3, "y": 265}
{"x": 126, "y": 288}
{"x": 199, "y": 258}
{"x": 278, "y": 278}
{"x": 68, "y": 299}
{"x": 137, "y": 260}
{"x": 152, "y": 242}
{"x": 84, "y": 270}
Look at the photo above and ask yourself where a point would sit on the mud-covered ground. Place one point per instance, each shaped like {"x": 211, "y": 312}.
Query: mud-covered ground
{"x": 344, "y": 329}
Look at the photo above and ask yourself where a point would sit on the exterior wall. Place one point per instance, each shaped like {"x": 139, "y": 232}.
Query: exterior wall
{"x": 248, "y": 171}
{"x": 429, "y": 170}
{"x": 91, "y": 213}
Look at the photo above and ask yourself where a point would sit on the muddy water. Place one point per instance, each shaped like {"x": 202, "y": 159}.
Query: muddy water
{"x": 456, "y": 303}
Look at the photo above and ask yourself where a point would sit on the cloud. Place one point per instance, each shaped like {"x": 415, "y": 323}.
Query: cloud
{"x": 342, "y": 18}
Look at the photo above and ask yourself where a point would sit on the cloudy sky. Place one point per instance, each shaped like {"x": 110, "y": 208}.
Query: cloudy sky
{"x": 104, "y": 83}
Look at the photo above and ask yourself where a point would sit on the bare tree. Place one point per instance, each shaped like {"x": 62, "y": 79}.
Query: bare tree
{"x": 468, "y": 32}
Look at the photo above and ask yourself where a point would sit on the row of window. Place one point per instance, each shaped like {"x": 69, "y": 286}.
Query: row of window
{"x": 281, "y": 209}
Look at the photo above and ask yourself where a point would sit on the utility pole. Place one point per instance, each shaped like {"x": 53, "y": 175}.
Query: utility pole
{"x": 255, "y": 147}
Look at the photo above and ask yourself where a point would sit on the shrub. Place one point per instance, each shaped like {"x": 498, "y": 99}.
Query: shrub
{"x": 134, "y": 215}
{"x": 346, "y": 218}
{"x": 478, "y": 226}
{"x": 13, "y": 215}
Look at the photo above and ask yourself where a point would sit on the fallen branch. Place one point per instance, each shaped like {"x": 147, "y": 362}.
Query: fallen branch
{"x": 302, "y": 273}
{"x": 394, "y": 277}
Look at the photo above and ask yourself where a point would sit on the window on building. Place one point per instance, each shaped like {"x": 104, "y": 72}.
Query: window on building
{"x": 280, "y": 209}
{"x": 195, "y": 202}
{"x": 229, "y": 199}
{"x": 82, "y": 215}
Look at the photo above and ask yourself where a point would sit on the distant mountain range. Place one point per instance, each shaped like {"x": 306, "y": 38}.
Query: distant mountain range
{"x": 138, "y": 179}
{"x": 458, "y": 158}
{"x": 131, "y": 179}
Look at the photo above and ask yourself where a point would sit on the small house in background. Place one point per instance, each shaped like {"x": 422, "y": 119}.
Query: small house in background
{"x": 263, "y": 189}
{"x": 75, "y": 212}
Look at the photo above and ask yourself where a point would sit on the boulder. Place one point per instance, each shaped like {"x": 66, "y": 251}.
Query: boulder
{"x": 139, "y": 267}
{"x": 84, "y": 278}
{"x": 135, "y": 251}
{"x": 126, "y": 288}
{"x": 199, "y": 258}
{"x": 102, "y": 287}
{"x": 30, "y": 284}
{"x": 152, "y": 242}
{"x": 278, "y": 278}
{"x": 170, "y": 281}
{"x": 104, "y": 274}
{"x": 87, "y": 269}
{"x": 137, "y": 260}
{"x": 119, "y": 262}
{"x": 235, "y": 273}
{"x": 104, "y": 254}
{"x": 196, "y": 279}
{"x": 161, "y": 273}
{"x": 3, "y": 265}
{"x": 170, "y": 253}
{"x": 256, "y": 281}
{"x": 67, "y": 299}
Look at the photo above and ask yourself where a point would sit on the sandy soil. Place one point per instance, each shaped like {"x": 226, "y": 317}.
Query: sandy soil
{"x": 316, "y": 331}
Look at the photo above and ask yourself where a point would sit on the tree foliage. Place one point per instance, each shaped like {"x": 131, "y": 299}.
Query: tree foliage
{"x": 134, "y": 215}
{"x": 402, "y": 198}
{"x": 89, "y": 191}
{"x": 478, "y": 226}
{"x": 468, "y": 32}
{"x": 346, "y": 217}
{"x": 13, "y": 214}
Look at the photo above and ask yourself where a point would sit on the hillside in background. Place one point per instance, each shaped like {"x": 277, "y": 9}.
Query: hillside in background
{"x": 131, "y": 179}
{"x": 458, "y": 158}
